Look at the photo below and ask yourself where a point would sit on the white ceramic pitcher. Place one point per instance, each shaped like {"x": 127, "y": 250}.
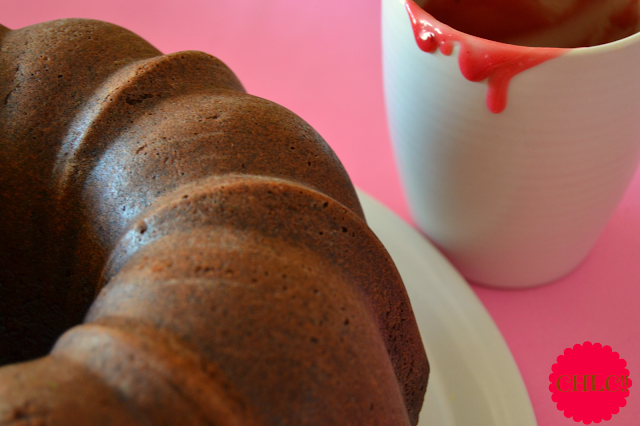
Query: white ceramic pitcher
{"x": 513, "y": 197}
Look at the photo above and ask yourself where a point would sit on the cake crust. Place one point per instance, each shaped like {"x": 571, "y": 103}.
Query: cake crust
{"x": 213, "y": 237}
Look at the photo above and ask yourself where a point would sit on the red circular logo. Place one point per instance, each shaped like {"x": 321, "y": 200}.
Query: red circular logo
{"x": 590, "y": 383}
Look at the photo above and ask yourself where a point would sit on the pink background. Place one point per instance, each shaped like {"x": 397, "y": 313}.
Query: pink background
{"x": 322, "y": 59}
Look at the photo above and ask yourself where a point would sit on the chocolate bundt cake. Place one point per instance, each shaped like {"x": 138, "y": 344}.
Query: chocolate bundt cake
{"x": 176, "y": 251}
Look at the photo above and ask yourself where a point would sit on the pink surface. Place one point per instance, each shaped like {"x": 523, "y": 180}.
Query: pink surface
{"x": 322, "y": 59}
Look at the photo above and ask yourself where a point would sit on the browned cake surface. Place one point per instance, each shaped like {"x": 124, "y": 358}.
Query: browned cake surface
{"x": 236, "y": 279}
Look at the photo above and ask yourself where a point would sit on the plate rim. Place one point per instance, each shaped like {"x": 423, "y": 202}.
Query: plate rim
{"x": 477, "y": 341}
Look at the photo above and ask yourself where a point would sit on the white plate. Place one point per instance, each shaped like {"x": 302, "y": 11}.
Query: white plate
{"x": 474, "y": 379}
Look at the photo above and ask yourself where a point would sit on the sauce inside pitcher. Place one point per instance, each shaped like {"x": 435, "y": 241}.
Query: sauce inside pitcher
{"x": 542, "y": 23}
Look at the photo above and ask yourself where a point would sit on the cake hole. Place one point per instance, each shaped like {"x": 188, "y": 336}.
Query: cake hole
{"x": 134, "y": 101}
{"x": 18, "y": 414}
{"x": 142, "y": 227}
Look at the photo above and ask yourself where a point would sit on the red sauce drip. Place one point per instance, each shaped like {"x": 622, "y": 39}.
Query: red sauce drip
{"x": 479, "y": 59}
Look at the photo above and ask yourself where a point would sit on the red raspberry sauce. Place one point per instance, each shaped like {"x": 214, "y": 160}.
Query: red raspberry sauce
{"x": 479, "y": 59}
